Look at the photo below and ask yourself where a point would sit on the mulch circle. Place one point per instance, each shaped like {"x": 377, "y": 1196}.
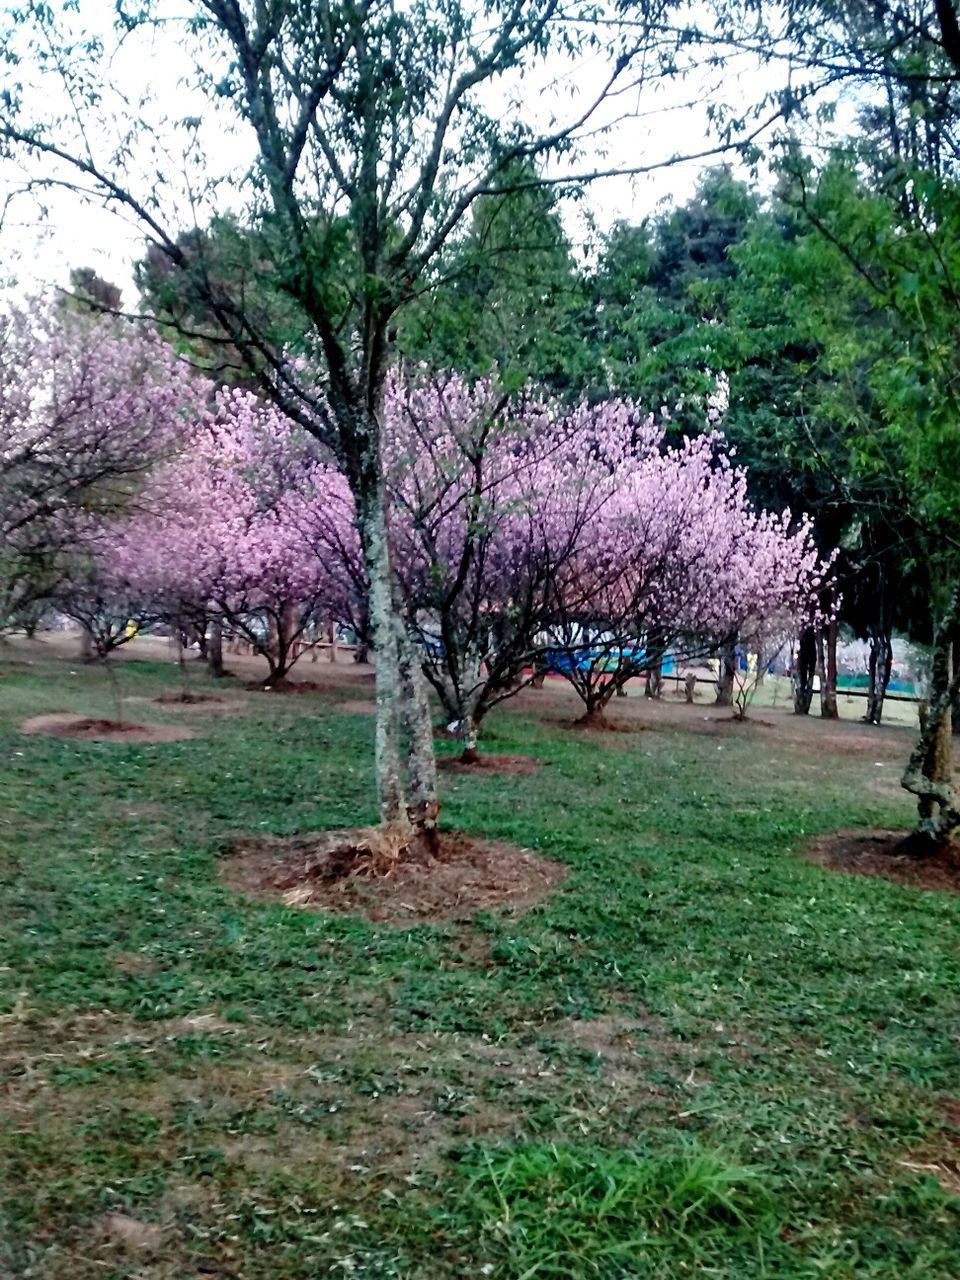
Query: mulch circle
{"x": 518, "y": 766}
{"x": 86, "y": 728}
{"x": 343, "y": 871}
{"x": 887, "y": 854}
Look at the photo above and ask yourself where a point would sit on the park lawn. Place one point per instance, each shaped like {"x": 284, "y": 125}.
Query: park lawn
{"x": 700, "y": 1055}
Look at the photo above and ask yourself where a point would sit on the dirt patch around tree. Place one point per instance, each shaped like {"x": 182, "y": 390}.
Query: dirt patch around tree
{"x": 343, "y": 871}
{"x": 517, "y": 766}
{"x": 88, "y": 729}
{"x": 887, "y": 854}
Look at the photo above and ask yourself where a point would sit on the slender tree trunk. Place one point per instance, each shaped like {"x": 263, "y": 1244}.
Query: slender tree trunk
{"x": 215, "y": 649}
{"x": 881, "y": 667}
{"x": 384, "y": 630}
{"x": 332, "y": 638}
{"x": 424, "y": 808}
{"x": 182, "y": 662}
{"x": 595, "y": 699}
{"x": 827, "y": 661}
{"x": 469, "y": 729}
{"x": 653, "y": 687}
{"x": 728, "y": 663}
{"x": 469, "y": 736}
{"x": 806, "y": 668}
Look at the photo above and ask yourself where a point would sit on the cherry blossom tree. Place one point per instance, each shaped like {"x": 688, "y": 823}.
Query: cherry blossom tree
{"x": 248, "y": 525}
{"x": 525, "y": 533}
{"x": 679, "y": 561}
{"x": 487, "y": 493}
{"x": 87, "y": 407}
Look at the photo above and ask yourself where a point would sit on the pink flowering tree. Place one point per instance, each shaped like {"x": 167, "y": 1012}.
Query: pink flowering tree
{"x": 493, "y": 501}
{"x": 87, "y": 407}
{"x": 249, "y": 526}
{"x": 678, "y": 561}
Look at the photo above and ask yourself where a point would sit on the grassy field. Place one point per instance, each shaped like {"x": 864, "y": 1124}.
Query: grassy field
{"x": 699, "y": 1056}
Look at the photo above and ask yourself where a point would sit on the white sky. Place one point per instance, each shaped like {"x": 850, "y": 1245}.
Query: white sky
{"x": 38, "y": 249}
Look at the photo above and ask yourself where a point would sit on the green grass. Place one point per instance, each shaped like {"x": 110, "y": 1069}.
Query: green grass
{"x": 700, "y": 1056}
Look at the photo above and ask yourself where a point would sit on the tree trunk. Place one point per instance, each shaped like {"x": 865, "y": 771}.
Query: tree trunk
{"x": 690, "y": 687}
{"x": 827, "y": 662}
{"x": 595, "y": 699}
{"x": 928, "y": 774}
{"x": 728, "y": 661}
{"x": 424, "y": 810}
{"x": 653, "y": 687}
{"x": 86, "y": 644}
{"x": 384, "y": 630}
{"x": 469, "y": 736}
{"x": 803, "y": 676}
{"x": 881, "y": 666}
{"x": 215, "y": 649}
{"x": 332, "y": 638}
{"x": 181, "y": 652}
{"x": 937, "y": 757}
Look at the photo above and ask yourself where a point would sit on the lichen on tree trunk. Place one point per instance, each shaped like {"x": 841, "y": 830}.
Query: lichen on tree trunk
{"x": 424, "y": 808}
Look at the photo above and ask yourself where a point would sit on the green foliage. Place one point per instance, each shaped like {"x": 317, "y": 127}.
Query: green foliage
{"x": 660, "y": 295}
{"x": 567, "y": 1211}
{"x": 507, "y": 294}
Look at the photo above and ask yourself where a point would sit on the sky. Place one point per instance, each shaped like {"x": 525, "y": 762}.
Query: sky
{"x": 41, "y": 240}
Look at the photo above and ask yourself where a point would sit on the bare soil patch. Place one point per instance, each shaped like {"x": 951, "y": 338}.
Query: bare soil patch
{"x": 338, "y": 871}
{"x": 86, "y": 728}
{"x": 887, "y": 854}
{"x": 518, "y": 766}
